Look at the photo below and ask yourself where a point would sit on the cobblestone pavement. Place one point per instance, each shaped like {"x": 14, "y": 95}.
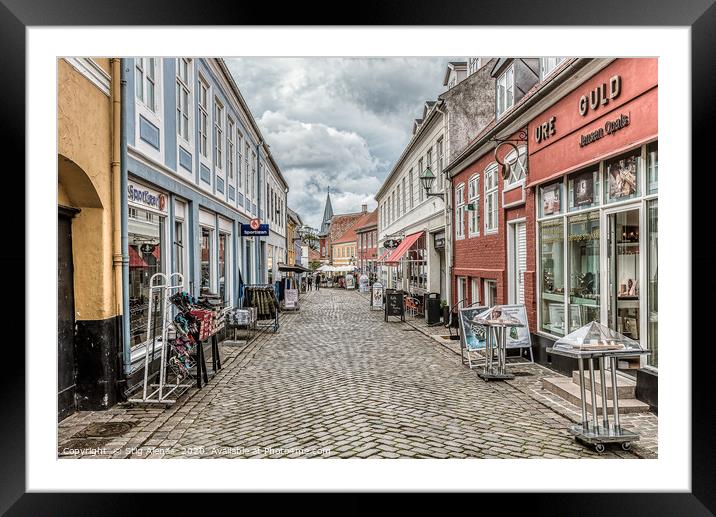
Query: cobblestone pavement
{"x": 338, "y": 381}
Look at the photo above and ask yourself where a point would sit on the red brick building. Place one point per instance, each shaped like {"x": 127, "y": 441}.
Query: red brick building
{"x": 570, "y": 229}
{"x": 367, "y": 243}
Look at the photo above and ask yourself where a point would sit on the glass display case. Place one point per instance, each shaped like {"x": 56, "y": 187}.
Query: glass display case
{"x": 593, "y": 338}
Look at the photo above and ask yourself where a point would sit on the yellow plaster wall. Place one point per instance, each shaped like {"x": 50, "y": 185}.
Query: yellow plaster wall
{"x": 84, "y": 136}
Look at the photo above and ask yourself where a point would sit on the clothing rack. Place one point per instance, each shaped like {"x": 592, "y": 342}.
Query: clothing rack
{"x": 263, "y": 297}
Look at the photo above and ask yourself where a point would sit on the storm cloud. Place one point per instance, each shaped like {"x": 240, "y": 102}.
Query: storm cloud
{"x": 338, "y": 122}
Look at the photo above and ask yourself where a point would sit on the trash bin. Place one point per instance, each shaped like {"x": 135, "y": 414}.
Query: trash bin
{"x": 431, "y": 302}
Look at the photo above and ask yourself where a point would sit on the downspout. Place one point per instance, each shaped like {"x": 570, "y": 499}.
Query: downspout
{"x": 260, "y": 265}
{"x": 447, "y": 207}
{"x": 118, "y": 258}
{"x": 124, "y": 210}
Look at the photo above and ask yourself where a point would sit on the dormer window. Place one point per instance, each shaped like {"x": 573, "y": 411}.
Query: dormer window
{"x": 547, "y": 64}
{"x": 506, "y": 91}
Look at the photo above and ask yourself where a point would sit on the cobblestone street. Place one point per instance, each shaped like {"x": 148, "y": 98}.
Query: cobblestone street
{"x": 338, "y": 381}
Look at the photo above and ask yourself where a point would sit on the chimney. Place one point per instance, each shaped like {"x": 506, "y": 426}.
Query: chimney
{"x": 364, "y": 208}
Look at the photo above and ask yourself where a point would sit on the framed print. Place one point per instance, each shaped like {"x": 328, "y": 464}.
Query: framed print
{"x": 149, "y": 145}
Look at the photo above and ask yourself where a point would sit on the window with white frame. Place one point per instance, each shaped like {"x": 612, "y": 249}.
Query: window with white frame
{"x": 439, "y": 171}
{"x": 518, "y": 165}
{"x": 460, "y": 211}
{"x": 420, "y": 187}
{"x": 203, "y": 118}
{"x": 506, "y": 90}
{"x": 474, "y": 65}
{"x": 547, "y": 64}
{"x": 397, "y": 198}
{"x": 230, "y": 149}
{"x": 239, "y": 144}
{"x": 475, "y": 291}
{"x": 410, "y": 182}
{"x": 218, "y": 134}
{"x": 146, "y": 81}
{"x": 473, "y": 195}
{"x": 405, "y": 197}
{"x": 252, "y": 183}
{"x": 491, "y": 198}
{"x": 246, "y": 169}
{"x": 183, "y": 94}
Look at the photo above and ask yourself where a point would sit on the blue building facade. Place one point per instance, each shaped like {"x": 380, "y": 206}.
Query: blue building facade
{"x": 193, "y": 160}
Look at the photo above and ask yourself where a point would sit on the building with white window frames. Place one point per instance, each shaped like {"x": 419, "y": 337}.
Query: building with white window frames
{"x": 190, "y": 159}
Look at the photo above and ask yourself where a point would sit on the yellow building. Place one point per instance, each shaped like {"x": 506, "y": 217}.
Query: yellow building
{"x": 89, "y": 234}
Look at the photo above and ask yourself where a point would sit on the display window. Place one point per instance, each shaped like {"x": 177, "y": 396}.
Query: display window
{"x": 206, "y": 260}
{"x": 146, "y": 243}
{"x": 593, "y": 259}
{"x": 583, "y": 255}
{"x": 622, "y": 177}
{"x": 550, "y": 199}
{"x": 417, "y": 261}
{"x": 583, "y": 189}
{"x": 223, "y": 292}
{"x": 551, "y": 239}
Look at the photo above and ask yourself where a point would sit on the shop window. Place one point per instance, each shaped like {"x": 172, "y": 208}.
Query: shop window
{"x": 622, "y": 177}
{"x": 206, "y": 260}
{"x": 652, "y": 157}
{"x": 550, "y": 199}
{"x": 223, "y": 293}
{"x": 491, "y": 198}
{"x": 583, "y": 248}
{"x": 146, "y": 242}
{"x": 652, "y": 229}
{"x": 551, "y": 242}
{"x": 179, "y": 246}
{"x": 583, "y": 189}
{"x": 418, "y": 265}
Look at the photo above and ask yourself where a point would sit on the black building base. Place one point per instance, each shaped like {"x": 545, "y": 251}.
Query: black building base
{"x": 647, "y": 388}
{"x": 97, "y": 363}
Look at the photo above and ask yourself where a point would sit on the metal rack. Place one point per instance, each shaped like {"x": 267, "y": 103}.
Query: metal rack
{"x": 591, "y": 432}
{"x": 269, "y": 323}
{"x": 496, "y": 341}
{"x": 161, "y": 287}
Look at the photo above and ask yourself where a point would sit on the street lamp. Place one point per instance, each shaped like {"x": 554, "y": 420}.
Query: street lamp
{"x": 427, "y": 180}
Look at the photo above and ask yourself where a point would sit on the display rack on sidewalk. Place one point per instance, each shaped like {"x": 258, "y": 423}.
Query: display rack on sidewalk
{"x": 185, "y": 326}
{"x": 263, "y": 298}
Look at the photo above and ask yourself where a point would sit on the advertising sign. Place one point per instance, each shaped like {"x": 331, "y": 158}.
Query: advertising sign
{"x": 145, "y": 197}
{"x": 474, "y": 336}
{"x": 350, "y": 281}
{"x": 376, "y": 298}
{"x": 364, "y": 283}
{"x": 291, "y": 299}
{"x": 394, "y": 306}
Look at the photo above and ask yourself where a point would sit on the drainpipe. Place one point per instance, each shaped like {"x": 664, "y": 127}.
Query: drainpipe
{"x": 118, "y": 258}
{"x": 259, "y": 256}
{"x": 447, "y": 207}
{"x": 124, "y": 215}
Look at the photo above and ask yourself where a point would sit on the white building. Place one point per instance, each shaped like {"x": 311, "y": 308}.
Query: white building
{"x": 275, "y": 214}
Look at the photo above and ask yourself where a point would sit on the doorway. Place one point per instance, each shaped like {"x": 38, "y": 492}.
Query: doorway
{"x": 66, "y": 372}
{"x": 517, "y": 262}
{"x": 623, "y": 272}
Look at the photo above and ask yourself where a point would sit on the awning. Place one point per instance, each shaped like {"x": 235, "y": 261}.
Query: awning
{"x": 384, "y": 256}
{"x": 403, "y": 247}
{"x": 135, "y": 259}
{"x": 295, "y": 268}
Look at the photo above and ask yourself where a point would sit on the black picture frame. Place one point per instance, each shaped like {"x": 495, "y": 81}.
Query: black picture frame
{"x": 699, "y": 15}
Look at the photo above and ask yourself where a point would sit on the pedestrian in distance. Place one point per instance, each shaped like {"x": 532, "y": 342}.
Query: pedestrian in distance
{"x": 310, "y": 281}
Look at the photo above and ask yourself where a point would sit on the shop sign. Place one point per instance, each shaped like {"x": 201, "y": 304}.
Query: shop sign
{"x": 610, "y": 127}
{"x": 545, "y": 130}
{"x": 377, "y": 297}
{"x": 146, "y": 198}
{"x": 291, "y": 298}
{"x": 599, "y": 95}
{"x": 440, "y": 240}
{"x": 250, "y": 230}
{"x": 391, "y": 243}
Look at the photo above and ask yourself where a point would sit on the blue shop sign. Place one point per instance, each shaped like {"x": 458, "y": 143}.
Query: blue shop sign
{"x": 261, "y": 231}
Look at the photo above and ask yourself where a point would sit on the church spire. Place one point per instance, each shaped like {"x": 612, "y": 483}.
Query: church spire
{"x": 327, "y": 214}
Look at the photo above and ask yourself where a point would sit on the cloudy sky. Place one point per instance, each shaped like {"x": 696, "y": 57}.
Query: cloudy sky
{"x": 341, "y": 122}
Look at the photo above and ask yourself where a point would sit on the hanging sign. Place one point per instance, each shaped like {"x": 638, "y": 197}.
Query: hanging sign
{"x": 255, "y": 229}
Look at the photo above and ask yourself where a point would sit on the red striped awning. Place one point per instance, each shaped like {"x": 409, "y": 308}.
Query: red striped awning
{"x": 384, "y": 256}
{"x": 403, "y": 247}
{"x": 135, "y": 259}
